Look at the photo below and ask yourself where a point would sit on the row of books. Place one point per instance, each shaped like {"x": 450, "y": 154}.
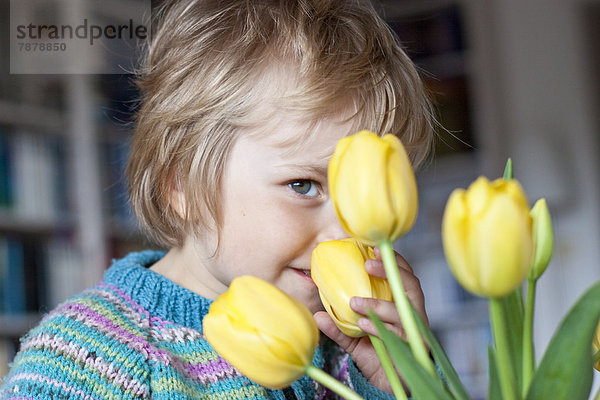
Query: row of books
{"x": 37, "y": 274}
{"x": 33, "y": 175}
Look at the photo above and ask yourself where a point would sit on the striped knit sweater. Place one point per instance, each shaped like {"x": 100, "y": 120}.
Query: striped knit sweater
{"x": 137, "y": 335}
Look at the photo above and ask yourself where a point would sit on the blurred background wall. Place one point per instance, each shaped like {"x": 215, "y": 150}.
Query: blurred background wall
{"x": 510, "y": 78}
{"x": 530, "y": 79}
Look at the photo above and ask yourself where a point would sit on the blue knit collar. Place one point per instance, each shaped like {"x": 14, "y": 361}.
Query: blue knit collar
{"x": 160, "y": 296}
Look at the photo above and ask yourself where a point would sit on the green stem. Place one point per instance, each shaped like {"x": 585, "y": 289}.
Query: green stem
{"x": 403, "y": 306}
{"x": 327, "y": 380}
{"x": 505, "y": 372}
{"x": 528, "y": 354}
{"x": 388, "y": 367}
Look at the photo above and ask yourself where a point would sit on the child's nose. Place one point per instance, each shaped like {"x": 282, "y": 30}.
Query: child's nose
{"x": 331, "y": 228}
{"x": 335, "y": 232}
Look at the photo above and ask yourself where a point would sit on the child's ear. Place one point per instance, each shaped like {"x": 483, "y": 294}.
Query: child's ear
{"x": 177, "y": 203}
{"x": 191, "y": 214}
{"x": 176, "y": 197}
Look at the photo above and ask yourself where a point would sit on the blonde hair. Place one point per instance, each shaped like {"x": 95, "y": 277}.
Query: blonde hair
{"x": 198, "y": 85}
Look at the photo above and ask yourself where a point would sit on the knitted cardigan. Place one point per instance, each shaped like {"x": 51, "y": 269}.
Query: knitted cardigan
{"x": 138, "y": 335}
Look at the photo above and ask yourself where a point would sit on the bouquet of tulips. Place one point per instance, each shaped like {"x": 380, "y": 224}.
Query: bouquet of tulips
{"x": 494, "y": 244}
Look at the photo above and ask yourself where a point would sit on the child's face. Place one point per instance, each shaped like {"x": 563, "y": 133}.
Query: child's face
{"x": 276, "y": 208}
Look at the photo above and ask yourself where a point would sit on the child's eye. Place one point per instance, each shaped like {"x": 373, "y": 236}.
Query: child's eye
{"x": 305, "y": 188}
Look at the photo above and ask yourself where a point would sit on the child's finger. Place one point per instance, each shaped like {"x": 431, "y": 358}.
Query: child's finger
{"x": 328, "y": 327}
{"x": 376, "y": 268}
{"x": 401, "y": 261}
{"x": 410, "y": 282}
{"x": 368, "y": 327}
{"x": 385, "y": 310}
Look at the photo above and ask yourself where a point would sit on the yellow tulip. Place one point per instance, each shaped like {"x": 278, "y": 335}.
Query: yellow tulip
{"x": 338, "y": 270}
{"x": 372, "y": 187}
{"x": 487, "y": 236}
{"x": 266, "y": 334}
{"x": 543, "y": 238}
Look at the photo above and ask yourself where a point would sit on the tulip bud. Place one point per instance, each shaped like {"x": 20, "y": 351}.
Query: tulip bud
{"x": 372, "y": 187}
{"x": 338, "y": 270}
{"x": 487, "y": 236}
{"x": 266, "y": 334}
{"x": 543, "y": 238}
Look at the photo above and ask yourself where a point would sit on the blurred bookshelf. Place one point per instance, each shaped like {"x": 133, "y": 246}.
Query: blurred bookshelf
{"x": 433, "y": 35}
{"x": 63, "y": 203}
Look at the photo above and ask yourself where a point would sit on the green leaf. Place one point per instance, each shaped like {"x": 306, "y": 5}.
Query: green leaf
{"x": 565, "y": 372}
{"x": 494, "y": 389}
{"x": 512, "y": 306}
{"x": 422, "y": 384}
{"x": 508, "y": 170}
{"x": 448, "y": 372}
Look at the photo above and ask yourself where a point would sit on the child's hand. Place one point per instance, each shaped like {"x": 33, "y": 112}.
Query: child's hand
{"x": 360, "y": 349}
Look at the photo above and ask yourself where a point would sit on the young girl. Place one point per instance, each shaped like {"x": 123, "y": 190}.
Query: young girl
{"x": 242, "y": 104}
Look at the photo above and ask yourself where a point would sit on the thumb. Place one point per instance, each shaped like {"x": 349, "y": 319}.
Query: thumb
{"x": 328, "y": 327}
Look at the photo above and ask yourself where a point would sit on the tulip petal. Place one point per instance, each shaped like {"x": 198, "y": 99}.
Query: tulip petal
{"x": 346, "y": 326}
{"x": 402, "y": 188}
{"x": 503, "y": 247}
{"x": 380, "y": 289}
{"x": 477, "y": 197}
{"x": 454, "y": 235}
{"x": 378, "y": 197}
{"x": 333, "y": 168}
{"x": 343, "y": 266}
{"x": 513, "y": 189}
{"x": 337, "y": 268}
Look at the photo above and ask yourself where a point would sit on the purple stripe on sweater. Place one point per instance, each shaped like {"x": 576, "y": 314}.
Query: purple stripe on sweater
{"x": 171, "y": 334}
{"x": 212, "y": 371}
{"x": 112, "y": 298}
{"x": 153, "y": 319}
{"x": 138, "y": 318}
{"x": 93, "y": 318}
